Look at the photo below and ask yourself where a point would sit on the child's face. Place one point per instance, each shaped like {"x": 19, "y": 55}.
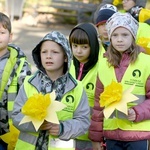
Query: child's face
{"x": 128, "y": 4}
{"x": 121, "y": 39}
{"x": 81, "y": 52}
{"x": 103, "y": 32}
{"x": 52, "y": 57}
{"x": 5, "y": 38}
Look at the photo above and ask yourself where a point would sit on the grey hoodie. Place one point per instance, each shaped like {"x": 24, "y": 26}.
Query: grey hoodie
{"x": 58, "y": 38}
{"x": 72, "y": 128}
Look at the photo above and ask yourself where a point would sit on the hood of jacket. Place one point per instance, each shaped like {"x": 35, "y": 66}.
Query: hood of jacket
{"x": 20, "y": 53}
{"x": 58, "y": 38}
{"x": 92, "y": 34}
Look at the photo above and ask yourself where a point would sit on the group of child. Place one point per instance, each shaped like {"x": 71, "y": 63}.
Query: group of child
{"x": 79, "y": 70}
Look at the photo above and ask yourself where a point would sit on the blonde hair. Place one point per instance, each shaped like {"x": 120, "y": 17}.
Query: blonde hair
{"x": 114, "y": 57}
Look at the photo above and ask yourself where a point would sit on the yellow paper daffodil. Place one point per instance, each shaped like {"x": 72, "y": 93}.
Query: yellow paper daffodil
{"x": 145, "y": 43}
{"x": 112, "y": 93}
{"x": 113, "y": 98}
{"x": 11, "y": 137}
{"x": 117, "y": 2}
{"x": 36, "y": 106}
{"x": 41, "y": 107}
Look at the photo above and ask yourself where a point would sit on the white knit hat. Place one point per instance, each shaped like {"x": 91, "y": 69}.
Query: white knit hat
{"x": 122, "y": 20}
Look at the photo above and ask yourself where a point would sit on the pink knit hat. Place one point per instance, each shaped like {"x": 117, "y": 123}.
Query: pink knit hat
{"x": 122, "y": 20}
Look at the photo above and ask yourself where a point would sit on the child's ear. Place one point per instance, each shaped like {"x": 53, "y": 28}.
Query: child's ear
{"x": 10, "y": 37}
{"x": 66, "y": 60}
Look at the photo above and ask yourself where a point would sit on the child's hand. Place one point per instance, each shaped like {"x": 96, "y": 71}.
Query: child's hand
{"x": 46, "y": 125}
{"x": 52, "y": 128}
{"x": 131, "y": 114}
{"x": 55, "y": 129}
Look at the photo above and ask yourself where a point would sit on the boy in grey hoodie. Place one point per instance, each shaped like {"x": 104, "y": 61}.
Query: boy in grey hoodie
{"x": 52, "y": 57}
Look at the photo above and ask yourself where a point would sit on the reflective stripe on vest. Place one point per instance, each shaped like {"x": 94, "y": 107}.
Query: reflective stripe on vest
{"x": 115, "y": 123}
{"x": 12, "y": 90}
{"x": 135, "y": 74}
{"x": 7, "y": 72}
{"x": 71, "y": 99}
{"x": 54, "y": 144}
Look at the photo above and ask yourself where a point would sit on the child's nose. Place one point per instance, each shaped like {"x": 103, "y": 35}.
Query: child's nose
{"x": 119, "y": 38}
{"x": 49, "y": 55}
{"x": 78, "y": 49}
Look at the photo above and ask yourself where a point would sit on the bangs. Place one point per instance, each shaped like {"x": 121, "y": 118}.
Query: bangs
{"x": 5, "y": 22}
{"x": 79, "y": 36}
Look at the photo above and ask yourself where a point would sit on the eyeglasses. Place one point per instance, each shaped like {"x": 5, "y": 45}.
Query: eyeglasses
{"x": 124, "y": 1}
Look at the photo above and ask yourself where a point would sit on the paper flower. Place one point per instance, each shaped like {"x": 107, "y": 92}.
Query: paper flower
{"x": 11, "y": 137}
{"x": 113, "y": 98}
{"x": 117, "y": 2}
{"x": 112, "y": 93}
{"x": 145, "y": 43}
{"x": 41, "y": 107}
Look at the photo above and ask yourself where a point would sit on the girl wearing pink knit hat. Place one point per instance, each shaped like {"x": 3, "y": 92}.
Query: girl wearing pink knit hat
{"x": 125, "y": 68}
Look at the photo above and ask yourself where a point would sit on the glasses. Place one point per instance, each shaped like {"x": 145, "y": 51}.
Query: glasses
{"x": 125, "y": 1}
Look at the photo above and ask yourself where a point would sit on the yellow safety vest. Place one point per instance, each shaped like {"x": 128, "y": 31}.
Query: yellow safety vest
{"x": 12, "y": 90}
{"x": 137, "y": 74}
{"x": 71, "y": 100}
{"x": 144, "y": 15}
{"x": 101, "y": 52}
{"x": 143, "y": 36}
{"x": 89, "y": 82}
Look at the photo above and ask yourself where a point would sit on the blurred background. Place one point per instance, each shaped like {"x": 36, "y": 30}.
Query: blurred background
{"x": 18, "y": 9}
{"x": 33, "y": 19}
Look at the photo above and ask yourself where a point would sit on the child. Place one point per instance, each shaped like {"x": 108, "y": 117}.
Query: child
{"x": 104, "y": 14}
{"x": 143, "y": 34}
{"x": 13, "y": 70}
{"x": 85, "y": 47}
{"x": 137, "y": 11}
{"x": 141, "y": 3}
{"x": 123, "y": 61}
{"x": 52, "y": 57}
